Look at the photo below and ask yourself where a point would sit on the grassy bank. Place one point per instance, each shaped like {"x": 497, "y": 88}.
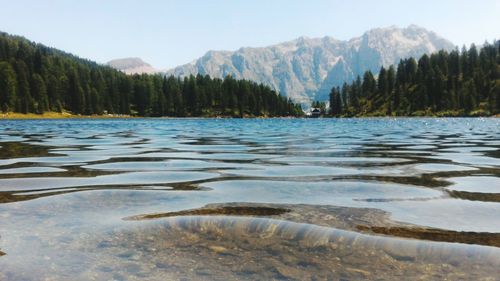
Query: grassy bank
{"x": 55, "y": 115}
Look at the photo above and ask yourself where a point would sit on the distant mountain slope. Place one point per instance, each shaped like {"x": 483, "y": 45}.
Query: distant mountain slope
{"x": 306, "y": 69}
{"x": 132, "y": 66}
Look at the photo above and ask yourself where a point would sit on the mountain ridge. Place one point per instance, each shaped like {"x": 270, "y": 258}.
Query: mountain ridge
{"x": 304, "y": 69}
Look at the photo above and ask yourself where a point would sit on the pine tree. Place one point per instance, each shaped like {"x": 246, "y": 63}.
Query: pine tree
{"x": 8, "y": 87}
{"x": 25, "y": 101}
{"x": 39, "y": 93}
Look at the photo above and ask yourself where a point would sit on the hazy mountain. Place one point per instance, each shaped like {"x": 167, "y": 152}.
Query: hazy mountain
{"x": 306, "y": 69}
{"x": 132, "y": 66}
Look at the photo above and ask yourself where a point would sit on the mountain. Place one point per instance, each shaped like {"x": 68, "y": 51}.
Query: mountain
{"x": 132, "y": 66}
{"x": 306, "y": 69}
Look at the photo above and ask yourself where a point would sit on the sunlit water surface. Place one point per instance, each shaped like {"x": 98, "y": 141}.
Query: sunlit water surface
{"x": 226, "y": 199}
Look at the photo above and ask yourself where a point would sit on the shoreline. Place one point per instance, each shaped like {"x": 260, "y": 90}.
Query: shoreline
{"x": 67, "y": 115}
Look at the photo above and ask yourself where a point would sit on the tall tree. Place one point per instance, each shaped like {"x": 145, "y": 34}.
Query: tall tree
{"x": 39, "y": 92}
{"x": 8, "y": 87}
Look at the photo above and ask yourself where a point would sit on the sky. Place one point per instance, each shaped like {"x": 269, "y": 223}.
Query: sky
{"x": 167, "y": 33}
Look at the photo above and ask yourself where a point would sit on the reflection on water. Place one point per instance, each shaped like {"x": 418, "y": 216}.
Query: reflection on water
{"x": 228, "y": 199}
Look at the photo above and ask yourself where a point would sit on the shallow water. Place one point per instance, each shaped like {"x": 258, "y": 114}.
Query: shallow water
{"x": 224, "y": 199}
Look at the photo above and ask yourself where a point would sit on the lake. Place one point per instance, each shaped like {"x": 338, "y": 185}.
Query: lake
{"x": 250, "y": 199}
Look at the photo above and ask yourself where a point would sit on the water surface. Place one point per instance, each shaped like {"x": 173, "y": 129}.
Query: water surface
{"x": 252, "y": 199}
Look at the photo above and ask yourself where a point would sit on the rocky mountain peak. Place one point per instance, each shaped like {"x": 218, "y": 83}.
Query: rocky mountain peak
{"x": 306, "y": 68}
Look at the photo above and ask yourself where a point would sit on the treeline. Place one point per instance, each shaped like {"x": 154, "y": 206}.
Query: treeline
{"x": 35, "y": 79}
{"x": 456, "y": 83}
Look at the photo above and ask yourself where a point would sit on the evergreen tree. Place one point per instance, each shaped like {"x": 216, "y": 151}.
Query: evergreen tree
{"x": 335, "y": 102}
{"x": 25, "y": 102}
{"x": 39, "y": 93}
{"x": 8, "y": 87}
{"x": 369, "y": 85}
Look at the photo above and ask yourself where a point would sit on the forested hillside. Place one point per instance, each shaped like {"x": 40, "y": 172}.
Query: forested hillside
{"x": 456, "y": 83}
{"x": 35, "y": 79}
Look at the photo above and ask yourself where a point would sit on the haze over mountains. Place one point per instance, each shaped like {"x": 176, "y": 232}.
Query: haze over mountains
{"x": 132, "y": 66}
{"x": 306, "y": 69}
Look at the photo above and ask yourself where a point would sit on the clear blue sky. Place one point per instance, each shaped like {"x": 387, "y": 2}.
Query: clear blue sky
{"x": 168, "y": 33}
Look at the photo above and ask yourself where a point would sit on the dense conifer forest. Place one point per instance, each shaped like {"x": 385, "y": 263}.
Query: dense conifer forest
{"x": 36, "y": 79}
{"x": 456, "y": 83}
